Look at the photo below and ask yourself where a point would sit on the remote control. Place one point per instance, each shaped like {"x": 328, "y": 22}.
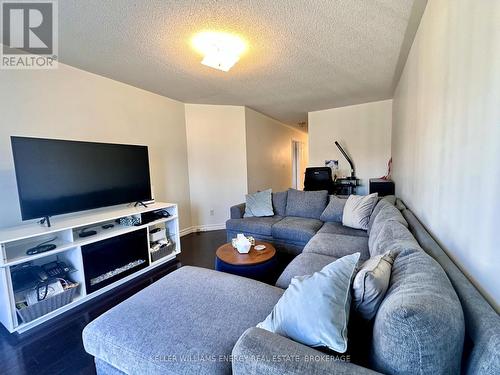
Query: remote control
{"x": 41, "y": 249}
{"x": 87, "y": 233}
{"x": 108, "y": 226}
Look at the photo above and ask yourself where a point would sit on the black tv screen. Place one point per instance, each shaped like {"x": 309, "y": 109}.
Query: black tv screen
{"x": 57, "y": 176}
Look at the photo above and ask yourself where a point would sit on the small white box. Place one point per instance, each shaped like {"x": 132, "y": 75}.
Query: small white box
{"x": 158, "y": 235}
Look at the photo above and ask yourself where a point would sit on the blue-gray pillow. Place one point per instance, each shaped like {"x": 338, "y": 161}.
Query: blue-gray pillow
{"x": 314, "y": 310}
{"x": 334, "y": 211}
{"x": 306, "y": 203}
{"x": 279, "y": 203}
{"x": 259, "y": 204}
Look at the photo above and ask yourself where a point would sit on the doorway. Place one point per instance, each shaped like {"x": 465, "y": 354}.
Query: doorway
{"x": 297, "y": 177}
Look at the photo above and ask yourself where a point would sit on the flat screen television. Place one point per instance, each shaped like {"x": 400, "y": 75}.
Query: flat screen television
{"x": 57, "y": 176}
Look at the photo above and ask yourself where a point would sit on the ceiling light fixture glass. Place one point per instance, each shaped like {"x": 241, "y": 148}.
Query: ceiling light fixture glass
{"x": 221, "y": 50}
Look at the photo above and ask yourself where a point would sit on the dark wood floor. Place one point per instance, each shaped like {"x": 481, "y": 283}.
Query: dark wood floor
{"x": 57, "y": 348}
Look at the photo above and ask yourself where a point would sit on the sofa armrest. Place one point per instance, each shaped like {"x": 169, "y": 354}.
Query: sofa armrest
{"x": 262, "y": 352}
{"x": 237, "y": 211}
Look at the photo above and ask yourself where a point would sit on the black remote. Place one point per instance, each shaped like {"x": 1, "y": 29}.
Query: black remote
{"x": 87, "y": 233}
{"x": 41, "y": 249}
{"x": 108, "y": 226}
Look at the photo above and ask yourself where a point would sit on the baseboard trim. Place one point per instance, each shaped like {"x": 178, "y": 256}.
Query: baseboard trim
{"x": 201, "y": 228}
{"x": 186, "y": 231}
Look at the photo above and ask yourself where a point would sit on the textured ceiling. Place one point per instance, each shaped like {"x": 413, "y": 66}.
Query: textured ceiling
{"x": 302, "y": 56}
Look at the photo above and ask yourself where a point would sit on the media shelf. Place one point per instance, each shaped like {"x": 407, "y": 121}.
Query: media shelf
{"x": 115, "y": 254}
{"x": 16, "y": 253}
{"x": 162, "y": 240}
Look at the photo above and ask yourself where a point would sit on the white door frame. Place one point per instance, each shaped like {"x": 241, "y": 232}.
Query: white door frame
{"x": 296, "y": 164}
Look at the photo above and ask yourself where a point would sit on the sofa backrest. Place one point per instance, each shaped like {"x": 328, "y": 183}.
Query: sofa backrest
{"x": 393, "y": 236}
{"x": 334, "y": 210}
{"x": 279, "y": 202}
{"x": 386, "y": 214}
{"x": 419, "y": 327}
{"x": 482, "y": 323}
{"x": 376, "y": 210}
{"x": 310, "y": 204}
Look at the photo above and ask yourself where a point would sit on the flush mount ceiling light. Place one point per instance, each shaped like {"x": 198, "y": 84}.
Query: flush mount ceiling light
{"x": 220, "y": 50}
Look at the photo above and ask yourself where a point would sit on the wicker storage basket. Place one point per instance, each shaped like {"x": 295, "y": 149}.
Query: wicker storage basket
{"x": 162, "y": 252}
{"x": 41, "y": 308}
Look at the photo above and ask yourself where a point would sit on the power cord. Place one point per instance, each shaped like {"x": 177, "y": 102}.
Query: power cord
{"x": 44, "y": 242}
{"x": 44, "y": 220}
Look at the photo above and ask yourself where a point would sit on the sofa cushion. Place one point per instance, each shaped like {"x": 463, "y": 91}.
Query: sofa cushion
{"x": 357, "y": 210}
{"x": 337, "y": 245}
{"x": 303, "y": 264}
{"x": 394, "y": 237}
{"x": 296, "y": 229}
{"x": 400, "y": 205}
{"x": 279, "y": 202}
{"x": 260, "y": 352}
{"x": 256, "y": 225}
{"x": 180, "y": 316}
{"x": 334, "y": 210}
{"x": 309, "y": 204}
{"x": 338, "y": 228}
{"x": 387, "y": 213}
{"x": 314, "y": 310}
{"x": 104, "y": 368}
{"x": 419, "y": 327}
{"x": 237, "y": 211}
{"x": 389, "y": 198}
{"x": 381, "y": 204}
{"x": 259, "y": 204}
{"x": 482, "y": 321}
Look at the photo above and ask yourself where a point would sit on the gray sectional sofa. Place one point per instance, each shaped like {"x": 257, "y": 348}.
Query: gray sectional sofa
{"x": 296, "y": 221}
{"x": 198, "y": 321}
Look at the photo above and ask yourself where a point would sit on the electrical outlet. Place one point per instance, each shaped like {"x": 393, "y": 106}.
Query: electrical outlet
{"x": 212, "y": 212}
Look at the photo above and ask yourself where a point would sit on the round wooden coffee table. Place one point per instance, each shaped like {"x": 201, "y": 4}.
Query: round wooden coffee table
{"x": 257, "y": 264}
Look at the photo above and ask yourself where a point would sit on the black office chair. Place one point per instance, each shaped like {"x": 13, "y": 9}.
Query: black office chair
{"x": 318, "y": 178}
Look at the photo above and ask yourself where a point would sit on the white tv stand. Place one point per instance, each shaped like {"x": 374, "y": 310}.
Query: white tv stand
{"x": 16, "y": 240}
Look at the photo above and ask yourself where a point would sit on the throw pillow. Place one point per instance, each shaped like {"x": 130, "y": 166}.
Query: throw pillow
{"x": 371, "y": 283}
{"x": 334, "y": 211}
{"x": 357, "y": 210}
{"x": 314, "y": 310}
{"x": 259, "y": 204}
{"x": 306, "y": 203}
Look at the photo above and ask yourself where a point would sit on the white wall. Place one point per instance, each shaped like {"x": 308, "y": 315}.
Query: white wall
{"x": 217, "y": 162}
{"x": 446, "y": 134}
{"x": 69, "y": 103}
{"x": 363, "y": 130}
{"x": 269, "y": 152}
